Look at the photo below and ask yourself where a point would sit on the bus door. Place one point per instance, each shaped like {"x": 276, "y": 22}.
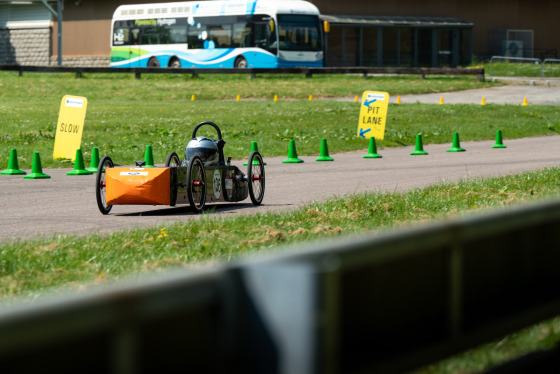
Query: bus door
{"x": 125, "y": 44}
{"x": 264, "y": 32}
{"x": 134, "y": 51}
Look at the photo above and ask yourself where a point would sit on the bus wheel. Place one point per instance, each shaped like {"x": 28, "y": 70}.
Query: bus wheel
{"x": 175, "y": 63}
{"x": 241, "y": 63}
{"x": 153, "y": 62}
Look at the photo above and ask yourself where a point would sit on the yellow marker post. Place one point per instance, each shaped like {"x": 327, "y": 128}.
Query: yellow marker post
{"x": 373, "y": 114}
{"x": 70, "y": 126}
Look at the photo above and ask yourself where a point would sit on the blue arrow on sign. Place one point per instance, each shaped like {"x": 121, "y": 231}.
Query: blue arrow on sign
{"x": 364, "y": 132}
{"x": 368, "y": 103}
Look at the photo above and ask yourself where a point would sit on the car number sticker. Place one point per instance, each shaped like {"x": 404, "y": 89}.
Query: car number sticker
{"x": 134, "y": 173}
{"x": 229, "y": 184}
{"x": 217, "y": 184}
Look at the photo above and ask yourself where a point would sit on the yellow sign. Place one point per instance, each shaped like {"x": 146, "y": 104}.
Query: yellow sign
{"x": 70, "y": 127}
{"x": 373, "y": 114}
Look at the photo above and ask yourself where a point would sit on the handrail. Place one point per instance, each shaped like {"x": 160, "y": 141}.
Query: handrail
{"x": 308, "y": 72}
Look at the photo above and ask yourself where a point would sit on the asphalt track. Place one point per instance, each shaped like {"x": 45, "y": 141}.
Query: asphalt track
{"x": 66, "y": 204}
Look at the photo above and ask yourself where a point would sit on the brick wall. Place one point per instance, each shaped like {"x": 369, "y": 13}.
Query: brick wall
{"x": 32, "y": 47}
{"x": 25, "y": 46}
{"x": 82, "y": 61}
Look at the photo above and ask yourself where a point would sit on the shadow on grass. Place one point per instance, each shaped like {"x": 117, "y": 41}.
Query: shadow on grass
{"x": 209, "y": 209}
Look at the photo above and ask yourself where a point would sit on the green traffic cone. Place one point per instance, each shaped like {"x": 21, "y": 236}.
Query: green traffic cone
{"x": 36, "y": 169}
{"x": 79, "y": 165}
{"x": 149, "y": 157}
{"x": 254, "y": 148}
{"x": 324, "y": 153}
{"x": 292, "y": 154}
{"x": 455, "y": 147}
{"x": 499, "y": 141}
{"x": 372, "y": 150}
{"x": 94, "y": 160}
{"x": 13, "y": 167}
{"x": 419, "y": 150}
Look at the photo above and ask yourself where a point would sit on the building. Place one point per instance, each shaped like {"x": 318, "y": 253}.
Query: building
{"x": 391, "y": 33}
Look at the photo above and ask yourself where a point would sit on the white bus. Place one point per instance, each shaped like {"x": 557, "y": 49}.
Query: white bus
{"x": 218, "y": 34}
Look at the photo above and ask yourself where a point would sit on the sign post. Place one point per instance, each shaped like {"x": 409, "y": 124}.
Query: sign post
{"x": 70, "y": 127}
{"x": 373, "y": 114}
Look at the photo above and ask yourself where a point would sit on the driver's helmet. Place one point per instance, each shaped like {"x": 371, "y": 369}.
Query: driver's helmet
{"x": 203, "y": 147}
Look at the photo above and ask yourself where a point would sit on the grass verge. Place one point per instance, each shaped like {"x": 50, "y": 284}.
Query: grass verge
{"x": 126, "y": 114}
{"x": 30, "y": 267}
{"x": 122, "y": 127}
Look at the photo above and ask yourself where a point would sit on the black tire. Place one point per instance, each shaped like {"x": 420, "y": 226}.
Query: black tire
{"x": 196, "y": 184}
{"x": 100, "y": 193}
{"x": 256, "y": 178}
{"x": 241, "y": 63}
{"x": 153, "y": 62}
{"x": 175, "y": 63}
{"x": 172, "y": 160}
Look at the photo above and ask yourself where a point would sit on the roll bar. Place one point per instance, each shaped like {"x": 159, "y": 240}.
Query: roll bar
{"x": 219, "y": 142}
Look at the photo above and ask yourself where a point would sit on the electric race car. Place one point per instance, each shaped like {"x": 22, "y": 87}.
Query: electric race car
{"x": 203, "y": 176}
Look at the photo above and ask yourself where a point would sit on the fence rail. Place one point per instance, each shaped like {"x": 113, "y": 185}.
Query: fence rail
{"x": 548, "y": 67}
{"x": 385, "y": 304}
{"x": 553, "y": 69}
{"x": 308, "y": 72}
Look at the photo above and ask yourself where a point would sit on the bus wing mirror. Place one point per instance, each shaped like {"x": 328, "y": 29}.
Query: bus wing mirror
{"x": 271, "y": 25}
{"x": 326, "y": 26}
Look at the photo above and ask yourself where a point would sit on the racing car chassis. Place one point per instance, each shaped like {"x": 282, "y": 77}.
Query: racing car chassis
{"x": 188, "y": 181}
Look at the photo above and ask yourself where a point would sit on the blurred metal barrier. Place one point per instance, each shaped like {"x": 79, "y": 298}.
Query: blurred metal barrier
{"x": 526, "y": 67}
{"x": 551, "y": 68}
{"x": 308, "y": 72}
{"x": 532, "y": 65}
{"x": 386, "y": 304}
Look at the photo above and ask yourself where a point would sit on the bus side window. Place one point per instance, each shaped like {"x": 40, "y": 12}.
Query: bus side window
{"x": 178, "y": 34}
{"x": 194, "y": 37}
{"x": 242, "y": 36}
{"x": 221, "y": 35}
{"x": 121, "y": 36}
{"x": 134, "y": 36}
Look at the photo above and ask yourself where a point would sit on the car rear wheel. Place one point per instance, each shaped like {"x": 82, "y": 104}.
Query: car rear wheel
{"x": 255, "y": 177}
{"x": 172, "y": 160}
{"x": 196, "y": 184}
{"x": 100, "y": 185}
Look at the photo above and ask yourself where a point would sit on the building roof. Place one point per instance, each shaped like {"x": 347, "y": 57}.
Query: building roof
{"x": 396, "y": 21}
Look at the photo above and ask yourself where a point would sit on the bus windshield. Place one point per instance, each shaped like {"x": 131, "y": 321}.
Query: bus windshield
{"x": 299, "y": 33}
